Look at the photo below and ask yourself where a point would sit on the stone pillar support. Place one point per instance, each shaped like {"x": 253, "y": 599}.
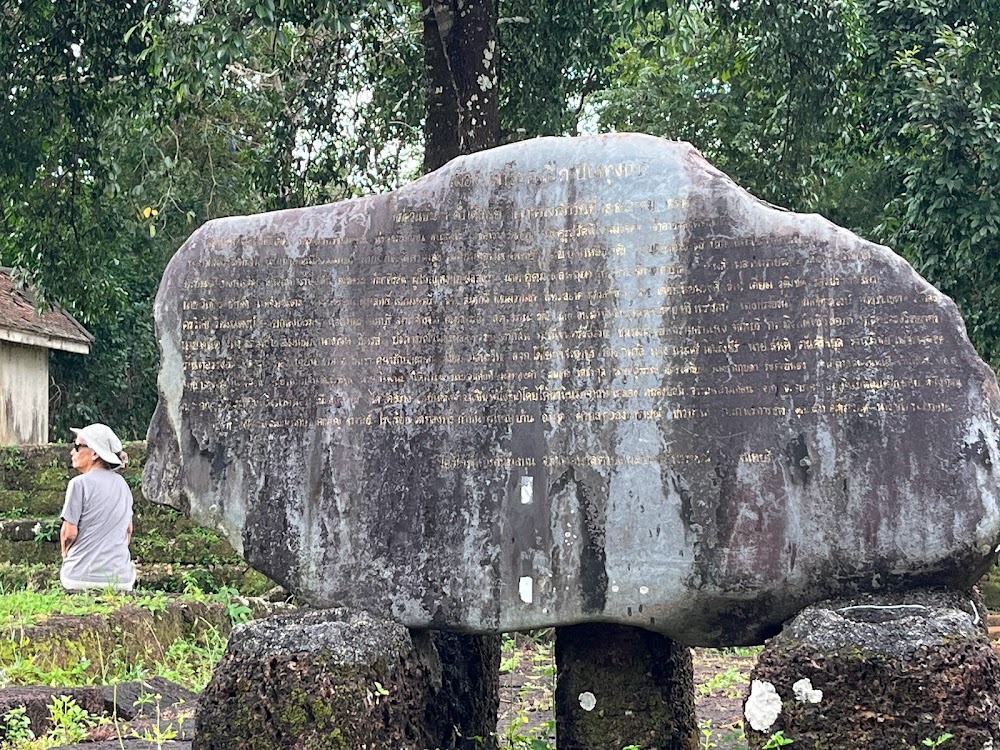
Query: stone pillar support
{"x": 879, "y": 672}
{"x": 618, "y": 686}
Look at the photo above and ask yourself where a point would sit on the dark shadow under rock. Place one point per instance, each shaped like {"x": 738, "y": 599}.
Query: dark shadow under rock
{"x": 470, "y": 689}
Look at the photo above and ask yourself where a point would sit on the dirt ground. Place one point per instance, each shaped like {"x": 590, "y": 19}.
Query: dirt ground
{"x": 721, "y": 680}
{"x": 527, "y": 683}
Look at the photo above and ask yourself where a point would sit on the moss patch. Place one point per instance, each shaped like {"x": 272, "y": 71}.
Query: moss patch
{"x": 81, "y": 647}
{"x": 28, "y": 553}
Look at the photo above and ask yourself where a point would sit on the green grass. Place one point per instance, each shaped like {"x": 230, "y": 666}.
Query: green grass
{"x": 730, "y": 683}
{"x": 531, "y": 655}
{"x": 21, "y": 608}
{"x": 188, "y": 661}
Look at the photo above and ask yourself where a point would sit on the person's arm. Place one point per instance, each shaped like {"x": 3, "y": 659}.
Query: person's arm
{"x": 129, "y": 531}
{"x": 67, "y": 535}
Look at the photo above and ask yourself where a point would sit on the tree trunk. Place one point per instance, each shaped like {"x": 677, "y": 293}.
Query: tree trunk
{"x": 460, "y": 67}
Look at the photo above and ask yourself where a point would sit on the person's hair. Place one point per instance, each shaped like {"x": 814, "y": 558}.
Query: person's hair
{"x": 122, "y": 456}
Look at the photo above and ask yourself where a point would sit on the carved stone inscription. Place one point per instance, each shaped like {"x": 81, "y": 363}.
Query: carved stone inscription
{"x": 676, "y": 325}
{"x": 592, "y": 382}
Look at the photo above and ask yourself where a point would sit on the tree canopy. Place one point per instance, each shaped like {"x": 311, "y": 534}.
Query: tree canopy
{"x": 127, "y": 126}
{"x": 880, "y": 114}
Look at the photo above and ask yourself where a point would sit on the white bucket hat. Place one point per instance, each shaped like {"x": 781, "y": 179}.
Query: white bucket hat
{"x": 103, "y": 440}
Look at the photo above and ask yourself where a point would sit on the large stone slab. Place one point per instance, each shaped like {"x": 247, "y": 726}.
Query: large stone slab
{"x": 573, "y": 380}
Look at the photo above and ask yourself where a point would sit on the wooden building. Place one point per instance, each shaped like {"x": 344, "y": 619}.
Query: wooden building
{"x": 25, "y": 340}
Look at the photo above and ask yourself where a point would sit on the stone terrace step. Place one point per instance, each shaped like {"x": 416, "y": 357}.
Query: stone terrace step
{"x": 30, "y": 529}
{"x": 157, "y": 576}
{"x": 993, "y": 626}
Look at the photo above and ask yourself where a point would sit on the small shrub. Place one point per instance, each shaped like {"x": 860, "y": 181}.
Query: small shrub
{"x": 17, "y": 727}
{"x": 11, "y": 459}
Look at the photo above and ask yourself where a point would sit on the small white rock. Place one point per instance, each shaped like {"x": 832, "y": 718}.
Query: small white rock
{"x": 763, "y": 705}
{"x": 805, "y": 693}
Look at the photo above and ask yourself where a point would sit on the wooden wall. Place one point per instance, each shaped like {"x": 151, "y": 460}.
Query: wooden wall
{"x": 24, "y": 394}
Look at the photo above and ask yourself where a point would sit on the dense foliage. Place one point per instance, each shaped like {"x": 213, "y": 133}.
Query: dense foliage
{"x": 126, "y": 126}
{"x": 880, "y": 114}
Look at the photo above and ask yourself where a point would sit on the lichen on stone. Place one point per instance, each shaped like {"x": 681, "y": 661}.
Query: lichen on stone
{"x": 763, "y": 706}
{"x": 805, "y": 693}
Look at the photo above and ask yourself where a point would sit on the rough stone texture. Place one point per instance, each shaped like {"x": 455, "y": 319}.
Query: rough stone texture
{"x": 470, "y": 690}
{"x": 36, "y": 700}
{"x": 127, "y": 700}
{"x": 331, "y": 679}
{"x": 573, "y": 380}
{"x": 893, "y": 671}
{"x": 618, "y": 686}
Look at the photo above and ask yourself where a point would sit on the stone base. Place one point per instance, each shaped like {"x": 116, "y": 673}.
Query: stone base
{"x": 618, "y": 686}
{"x": 339, "y": 680}
{"x": 883, "y": 673}
{"x": 467, "y": 704}
{"x": 35, "y": 699}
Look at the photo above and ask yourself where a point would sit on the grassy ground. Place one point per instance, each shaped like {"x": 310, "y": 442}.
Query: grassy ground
{"x": 527, "y": 674}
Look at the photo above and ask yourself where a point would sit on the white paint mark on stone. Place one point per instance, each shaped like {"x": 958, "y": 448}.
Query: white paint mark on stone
{"x": 527, "y": 490}
{"x": 614, "y": 589}
{"x": 805, "y": 693}
{"x": 644, "y": 590}
{"x": 763, "y": 705}
{"x": 587, "y": 701}
{"x": 525, "y": 587}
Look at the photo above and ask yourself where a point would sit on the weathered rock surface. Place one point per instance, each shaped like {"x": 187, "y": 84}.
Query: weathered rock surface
{"x": 619, "y": 686}
{"x": 470, "y": 689}
{"x": 330, "y": 679}
{"x": 573, "y": 380}
{"x": 35, "y": 699}
{"x": 882, "y": 672}
{"x": 144, "y": 698}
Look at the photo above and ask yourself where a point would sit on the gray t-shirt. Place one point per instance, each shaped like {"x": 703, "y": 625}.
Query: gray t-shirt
{"x": 99, "y": 504}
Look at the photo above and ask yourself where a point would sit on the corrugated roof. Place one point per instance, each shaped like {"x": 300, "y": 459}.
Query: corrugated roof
{"x": 17, "y": 313}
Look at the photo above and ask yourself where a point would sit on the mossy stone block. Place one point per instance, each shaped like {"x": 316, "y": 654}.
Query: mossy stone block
{"x": 45, "y": 502}
{"x": 13, "y": 503}
{"x": 331, "y": 680}
{"x": 27, "y": 553}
